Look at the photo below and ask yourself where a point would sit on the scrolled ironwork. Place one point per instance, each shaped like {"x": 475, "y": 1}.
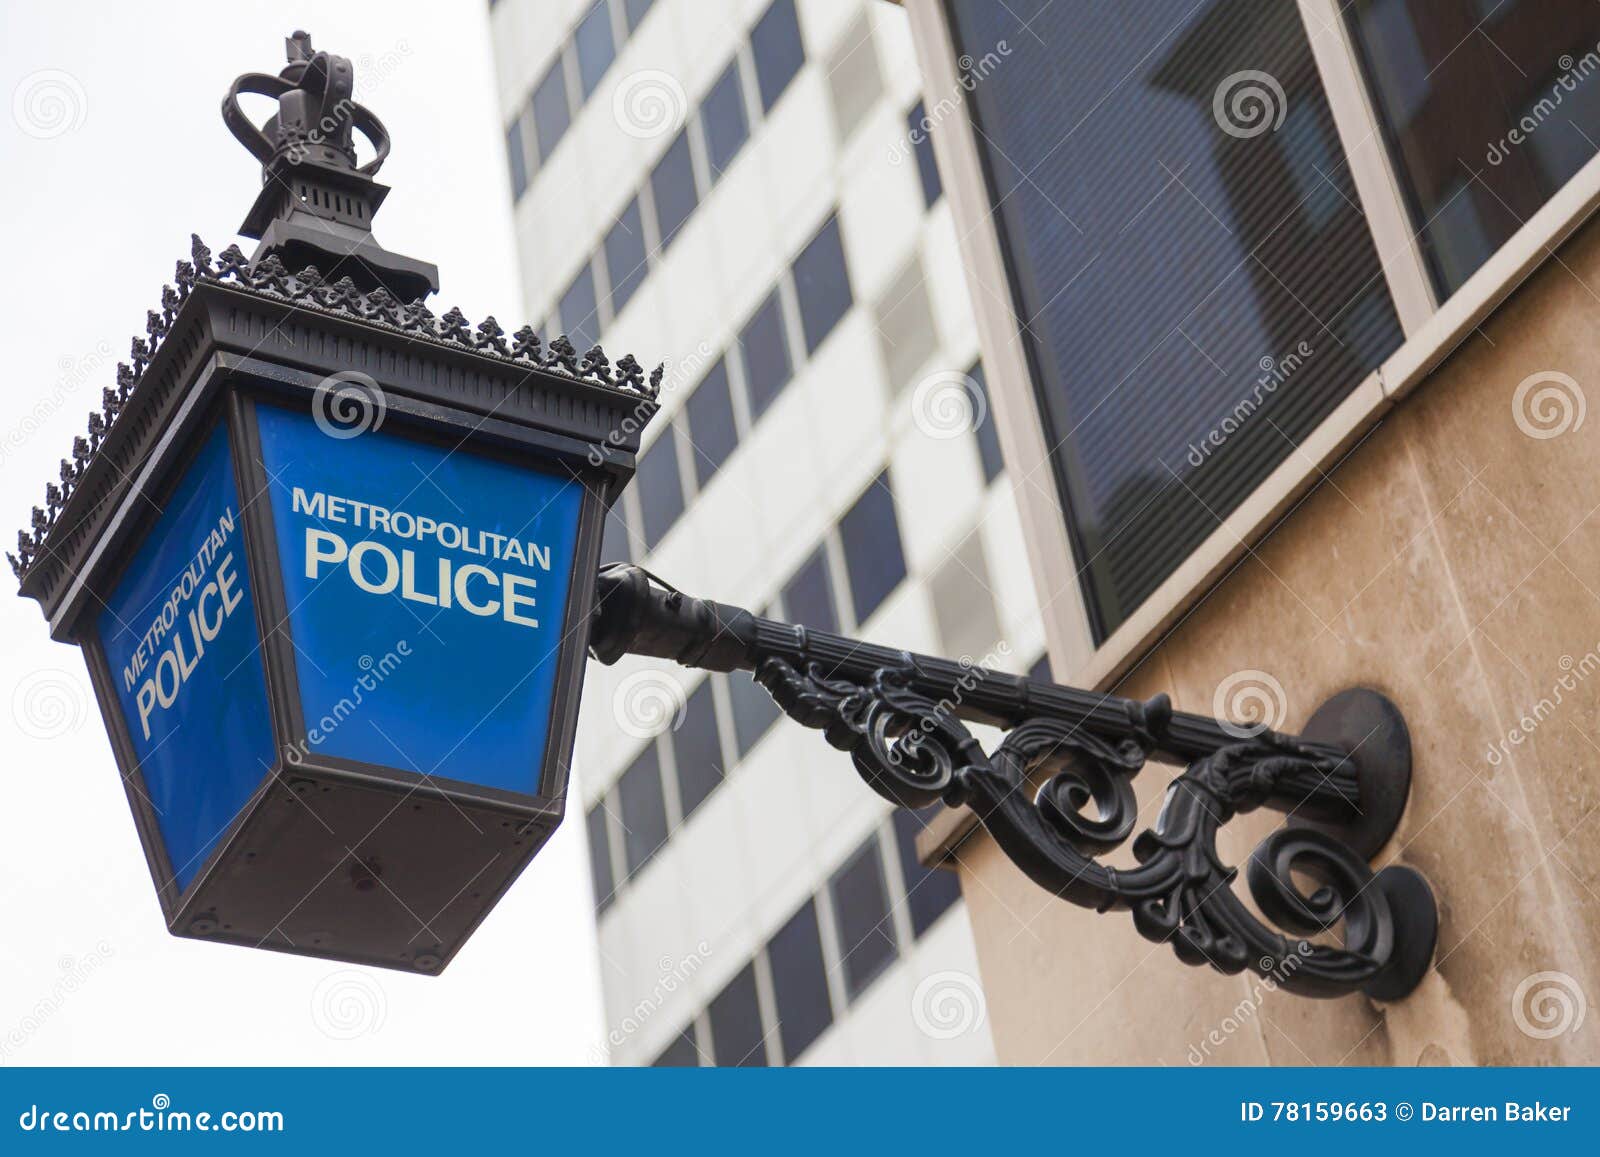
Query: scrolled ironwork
{"x": 903, "y": 720}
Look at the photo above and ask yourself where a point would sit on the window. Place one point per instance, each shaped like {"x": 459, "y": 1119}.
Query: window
{"x": 644, "y": 811}
{"x": 870, "y": 535}
{"x": 1485, "y": 119}
{"x": 614, "y": 536}
{"x": 626, "y": 259}
{"x": 754, "y": 712}
{"x": 1041, "y": 671}
{"x": 984, "y": 431}
{"x": 766, "y": 355}
{"x": 808, "y": 599}
{"x": 713, "y": 435}
{"x": 600, "y": 858}
{"x": 854, "y": 80}
{"x": 799, "y": 982}
{"x": 861, "y": 908}
{"x": 1161, "y": 253}
{"x": 636, "y": 11}
{"x": 722, "y": 120}
{"x": 696, "y": 750}
{"x": 737, "y": 1038}
{"x": 577, "y": 310}
{"x": 550, "y": 113}
{"x": 907, "y": 334}
{"x": 929, "y": 891}
{"x": 672, "y": 183}
{"x": 963, "y": 601}
{"x": 822, "y": 284}
{"x": 682, "y": 1053}
{"x": 922, "y": 147}
{"x": 775, "y": 44}
{"x": 594, "y": 46}
{"x": 659, "y": 488}
{"x": 516, "y": 160}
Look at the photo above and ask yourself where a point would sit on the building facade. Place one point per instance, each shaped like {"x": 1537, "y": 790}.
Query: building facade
{"x": 1288, "y": 316}
{"x": 735, "y": 186}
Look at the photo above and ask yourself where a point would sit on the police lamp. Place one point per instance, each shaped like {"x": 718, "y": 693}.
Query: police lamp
{"x": 330, "y": 559}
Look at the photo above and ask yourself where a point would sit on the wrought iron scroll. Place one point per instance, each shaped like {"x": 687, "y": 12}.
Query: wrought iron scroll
{"x": 901, "y": 717}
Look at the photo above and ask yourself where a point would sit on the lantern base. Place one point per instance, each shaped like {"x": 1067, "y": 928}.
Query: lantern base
{"x": 339, "y": 865}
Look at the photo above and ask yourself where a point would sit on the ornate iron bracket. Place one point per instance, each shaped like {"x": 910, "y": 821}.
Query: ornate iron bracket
{"x": 902, "y": 717}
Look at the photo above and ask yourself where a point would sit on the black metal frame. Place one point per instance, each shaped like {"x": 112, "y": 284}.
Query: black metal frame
{"x": 902, "y": 717}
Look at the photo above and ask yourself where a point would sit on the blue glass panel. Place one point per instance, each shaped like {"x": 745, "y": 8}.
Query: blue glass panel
{"x": 180, "y": 639}
{"x": 427, "y": 591}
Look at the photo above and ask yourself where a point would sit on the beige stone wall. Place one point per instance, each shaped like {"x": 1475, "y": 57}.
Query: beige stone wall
{"x": 1453, "y": 562}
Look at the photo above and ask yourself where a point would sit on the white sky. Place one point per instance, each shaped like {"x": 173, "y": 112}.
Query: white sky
{"x": 95, "y": 208}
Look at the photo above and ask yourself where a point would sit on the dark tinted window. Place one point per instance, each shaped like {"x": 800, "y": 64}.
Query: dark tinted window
{"x": 861, "y": 908}
{"x": 672, "y": 182}
{"x": 696, "y": 750}
{"x": 659, "y": 489}
{"x": 985, "y": 431}
{"x": 600, "y": 858}
{"x": 929, "y": 891}
{"x": 626, "y": 262}
{"x": 579, "y": 320}
{"x": 922, "y": 146}
{"x": 775, "y": 43}
{"x": 636, "y": 11}
{"x": 643, "y": 811}
{"x": 808, "y": 599}
{"x": 681, "y": 1053}
{"x": 594, "y": 46}
{"x": 737, "y": 1037}
{"x": 822, "y": 283}
{"x": 799, "y": 982}
{"x": 766, "y": 355}
{"x": 712, "y": 431}
{"x": 614, "y": 537}
{"x": 516, "y": 159}
{"x": 550, "y": 114}
{"x": 723, "y": 121}
{"x": 870, "y": 534}
{"x": 754, "y": 712}
{"x": 1158, "y": 293}
{"x": 1040, "y": 672}
{"x": 1485, "y": 111}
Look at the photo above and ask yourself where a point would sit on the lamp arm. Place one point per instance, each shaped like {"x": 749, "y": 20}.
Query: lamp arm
{"x": 903, "y": 719}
